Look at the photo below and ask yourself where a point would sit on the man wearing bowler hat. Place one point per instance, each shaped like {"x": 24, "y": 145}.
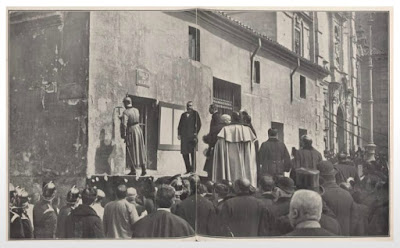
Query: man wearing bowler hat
{"x": 280, "y": 209}
{"x": 339, "y": 200}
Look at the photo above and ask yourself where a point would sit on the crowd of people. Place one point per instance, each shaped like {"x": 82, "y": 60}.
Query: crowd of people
{"x": 251, "y": 190}
{"x": 329, "y": 201}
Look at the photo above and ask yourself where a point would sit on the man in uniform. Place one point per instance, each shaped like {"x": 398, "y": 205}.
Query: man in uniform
{"x": 188, "y": 128}
{"x": 73, "y": 198}
{"x": 44, "y": 215}
{"x": 274, "y": 156}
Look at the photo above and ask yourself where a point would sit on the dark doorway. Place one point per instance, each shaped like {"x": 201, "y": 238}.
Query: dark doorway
{"x": 340, "y": 124}
{"x": 226, "y": 95}
{"x": 149, "y": 123}
{"x": 279, "y": 126}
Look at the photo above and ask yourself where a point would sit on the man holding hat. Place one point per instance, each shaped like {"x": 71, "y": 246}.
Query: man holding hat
{"x": 345, "y": 170}
{"x": 131, "y": 131}
{"x": 73, "y": 197}
{"x": 274, "y": 156}
{"x": 339, "y": 200}
{"x": 44, "y": 215}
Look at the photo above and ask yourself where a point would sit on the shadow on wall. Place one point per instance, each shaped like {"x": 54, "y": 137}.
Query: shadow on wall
{"x": 104, "y": 153}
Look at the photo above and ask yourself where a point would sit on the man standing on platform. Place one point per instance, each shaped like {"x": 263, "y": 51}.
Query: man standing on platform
{"x": 211, "y": 138}
{"x": 188, "y": 128}
{"x": 274, "y": 156}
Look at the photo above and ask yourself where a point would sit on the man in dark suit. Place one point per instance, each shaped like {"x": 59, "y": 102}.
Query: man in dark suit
{"x": 162, "y": 223}
{"x": 267, "y": 185}
{"x": 188, "y": 128}
{"x": 305, "y": 213}
{"x": 211, "y": 138}
{"x": 339, "y": 200}
{"x": 307, "y": 157}
{"x": 274, "y": 156}
{"x": 345, "y": 170}
{"x": 244, "y": 215}
{"x": 196, "y": 210}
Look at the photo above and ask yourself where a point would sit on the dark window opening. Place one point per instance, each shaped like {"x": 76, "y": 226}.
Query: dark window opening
{"x": 279, "y": 126}
{"x": 226, "y": 96}
{"x": 297, "y": 44}
{"x": 302, "y": 87}
{"x": 257, "y": 71}
{"x": 301, "y": 133}
{"x": 194, "y": 44}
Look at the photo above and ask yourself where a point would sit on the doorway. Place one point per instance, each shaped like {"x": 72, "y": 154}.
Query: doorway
{"x": 149, "y": 123}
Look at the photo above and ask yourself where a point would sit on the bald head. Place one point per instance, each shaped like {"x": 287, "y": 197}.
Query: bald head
{"x": 305, "y": 205}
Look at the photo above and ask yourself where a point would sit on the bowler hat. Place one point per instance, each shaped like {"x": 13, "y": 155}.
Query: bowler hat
{"x": 308, "y": 179}
{"x": 326, "y": 168}
{"x": 286, "y": 184}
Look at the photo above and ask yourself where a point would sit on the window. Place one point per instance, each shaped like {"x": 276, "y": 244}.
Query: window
{"x": 301, "y": 133}
{"x": 169, "y": 117}
{"x": 279, "y": 126}
{"x": 194, "y": 44}
{"x": 302, "y": 87}
{"x": 226, "y": 95}
{"x": 257, "y": 71}
{"x": 297, "y": 36}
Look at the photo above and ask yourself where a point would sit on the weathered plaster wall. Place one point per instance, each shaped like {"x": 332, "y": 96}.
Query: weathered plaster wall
{"x": 48, "y": 79}
{"x": 285, "y": 29}
{"x": 269, "y": 101}
{"x": 157, "y": 43}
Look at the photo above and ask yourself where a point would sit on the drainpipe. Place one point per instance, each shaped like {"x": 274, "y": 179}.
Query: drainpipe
{"x": 252, "y": 62}
{"x": 291, "y": 79}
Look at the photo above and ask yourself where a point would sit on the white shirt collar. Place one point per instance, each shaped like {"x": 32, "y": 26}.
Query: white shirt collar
{"x": 165, "y": 209}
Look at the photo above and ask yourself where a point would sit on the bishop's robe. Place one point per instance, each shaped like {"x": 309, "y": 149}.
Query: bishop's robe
{"x": 235, "y": 154}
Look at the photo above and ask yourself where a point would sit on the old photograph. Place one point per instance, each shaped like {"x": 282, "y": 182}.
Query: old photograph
{"x": 198, "y": 123}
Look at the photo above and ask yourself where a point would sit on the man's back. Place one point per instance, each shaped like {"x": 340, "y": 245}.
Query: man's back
{"x": 44, "y": 220}
{"x": 245, "y": 216}
{"x": 119, "y": 216}
{"x": 196, "y": 209}
{"x": 307, "y": 158}
{"x": 83, "y": 222}
{"x": 274, "y": 157}
{"x": 347, "y": 171}
{"x": 340, "y": 202}
{"x": 162, "y": 224}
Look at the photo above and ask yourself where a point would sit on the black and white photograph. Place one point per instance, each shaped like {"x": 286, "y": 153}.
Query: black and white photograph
{"x": 199, "y": 123}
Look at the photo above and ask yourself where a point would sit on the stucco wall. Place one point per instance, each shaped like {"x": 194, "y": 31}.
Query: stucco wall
{"x": 285, "y": 29}
{"x": 48, "y": 78}
{"x": 157, "y": 43}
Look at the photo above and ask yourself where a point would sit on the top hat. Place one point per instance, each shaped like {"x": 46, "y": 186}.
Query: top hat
{"x": 308, "y": 179}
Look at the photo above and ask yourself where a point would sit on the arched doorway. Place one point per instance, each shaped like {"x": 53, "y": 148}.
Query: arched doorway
{"x": 340, "y": 130}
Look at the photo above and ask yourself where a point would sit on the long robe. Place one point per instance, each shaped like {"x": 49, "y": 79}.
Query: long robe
{"x": 162, "y": 224}
{"x": 235, "y": 155}
{"x": 136, "y": 154}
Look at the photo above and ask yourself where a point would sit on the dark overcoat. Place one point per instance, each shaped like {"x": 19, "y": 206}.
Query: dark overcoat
{"x": 189, "y": 124}
{"x": 83, "y": 222}
{"x": 198, "y": 212}
{"x": 274, "y": 157}
{"x": 245, "y": 216}
{"x": 44, "y": 220}
{"x": 340, "y": 202}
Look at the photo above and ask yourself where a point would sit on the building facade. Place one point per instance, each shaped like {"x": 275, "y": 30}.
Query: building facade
{"x": 294, "y": 71}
